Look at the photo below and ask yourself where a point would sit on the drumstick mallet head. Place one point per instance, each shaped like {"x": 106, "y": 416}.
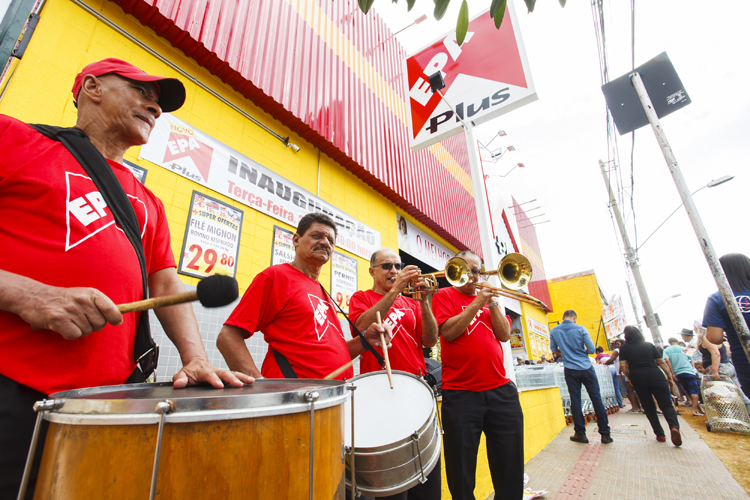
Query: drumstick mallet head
{"x": 214, "y": 291}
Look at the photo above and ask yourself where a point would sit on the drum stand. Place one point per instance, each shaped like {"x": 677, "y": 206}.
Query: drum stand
{"x": 39, "y": 407}
{"x": 351, "y": 387}
{"x": 311, "y": 397}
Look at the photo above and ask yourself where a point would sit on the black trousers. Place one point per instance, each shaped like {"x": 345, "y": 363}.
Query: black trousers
{"x": 17, "y": 419}
{"x": 652, "y": 383}
{"x": 496, "y": 412}
{"x": 431, "y": 490}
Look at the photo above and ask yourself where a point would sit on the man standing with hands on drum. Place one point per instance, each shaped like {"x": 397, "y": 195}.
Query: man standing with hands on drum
{"x": 477, "y": 395}
{"x": 297, "y": 317}
{"x": 66, "y": 263}
{"x": 413, "y": 325}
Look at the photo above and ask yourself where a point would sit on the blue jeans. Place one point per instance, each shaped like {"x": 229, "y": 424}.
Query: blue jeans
{"x": 616, "y": 383}
{"x": 574, "y": 379}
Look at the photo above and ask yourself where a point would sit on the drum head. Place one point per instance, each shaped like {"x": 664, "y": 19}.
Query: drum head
{"x": 264, "y": 397}
{"x": 383, "y": 415}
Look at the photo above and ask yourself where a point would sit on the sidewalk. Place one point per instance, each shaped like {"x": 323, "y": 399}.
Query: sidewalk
{"x": 634, "y": 467}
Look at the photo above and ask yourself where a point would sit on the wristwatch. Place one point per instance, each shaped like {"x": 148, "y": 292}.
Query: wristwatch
{"x": 493, "y": 304}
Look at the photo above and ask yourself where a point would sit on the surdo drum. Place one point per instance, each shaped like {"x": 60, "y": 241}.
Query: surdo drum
{"x": 153, "y": 441}
{"x": 396, "y": 436}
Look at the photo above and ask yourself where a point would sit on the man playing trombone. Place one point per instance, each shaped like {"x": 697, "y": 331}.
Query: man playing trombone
{"x": 412, "y": 324}
{"x": 477, "y": 395}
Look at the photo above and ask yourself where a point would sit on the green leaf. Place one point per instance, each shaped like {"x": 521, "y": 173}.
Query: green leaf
{"x": 497, "y": 6}
{"x": 364, "y": 5}
{"x": 410, "y": 4}
{"x": 530, "y": 4}
{"x": 562, "y": 3}
{"x": 462, "y": 26}
{"x": 440, "y": 7}
{"x": 499, "y": 14}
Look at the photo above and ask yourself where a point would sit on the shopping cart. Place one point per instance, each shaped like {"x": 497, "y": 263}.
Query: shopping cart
{"x": 725, "y": 407}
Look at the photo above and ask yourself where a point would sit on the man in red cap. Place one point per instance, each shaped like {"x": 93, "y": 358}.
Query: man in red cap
{"x": 66, "y": 262}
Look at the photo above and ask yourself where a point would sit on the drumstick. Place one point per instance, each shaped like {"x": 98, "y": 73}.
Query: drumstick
{"x": 214, "y": 291}
{"x": 385, "y": 351}
{"x": 338, "y": 371}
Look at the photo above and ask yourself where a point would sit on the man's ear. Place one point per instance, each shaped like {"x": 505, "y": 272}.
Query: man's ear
{"x": 372, "y": 272}
{"x": 91, "y": 87}
{"x": 295, "y": 240}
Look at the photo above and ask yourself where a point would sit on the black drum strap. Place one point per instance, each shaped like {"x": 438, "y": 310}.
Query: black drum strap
{"x": 284, "y": 365}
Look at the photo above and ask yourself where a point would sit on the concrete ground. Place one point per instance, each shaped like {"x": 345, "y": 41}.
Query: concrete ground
{"x": 634, "y": 467}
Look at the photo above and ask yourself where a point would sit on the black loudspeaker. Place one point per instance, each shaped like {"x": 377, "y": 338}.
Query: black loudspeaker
{"x": 436, "y": 81}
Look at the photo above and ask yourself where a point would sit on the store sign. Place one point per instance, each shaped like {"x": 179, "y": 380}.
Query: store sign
{"x": 181, "y": 148}
{"x": 212, "y": 238}
{"x": 613, "y": 316}
{"x": 282, "y": 249}
{"x": 488, "y": 75}
{"x": 420, "y": 245}
{"x": 537, "y": 327}
{"x": 343, "y": 279}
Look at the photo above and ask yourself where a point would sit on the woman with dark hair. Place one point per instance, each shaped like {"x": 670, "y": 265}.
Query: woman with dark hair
{"x": 638, "y": 361}
{"x": 716, "y": 318}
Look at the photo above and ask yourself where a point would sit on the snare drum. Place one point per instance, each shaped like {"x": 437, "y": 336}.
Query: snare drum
{"x": 251, "y": 442}
{"x": 396, "y": 436}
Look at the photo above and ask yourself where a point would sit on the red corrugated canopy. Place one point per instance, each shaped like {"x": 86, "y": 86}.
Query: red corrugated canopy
{"x": 530, "y": 248}
{"x": 334, "y": 77}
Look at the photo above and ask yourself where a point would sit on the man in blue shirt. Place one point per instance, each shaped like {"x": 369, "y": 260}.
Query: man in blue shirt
{"x": 575, "y": 344}
{"x": 684, "y": 373}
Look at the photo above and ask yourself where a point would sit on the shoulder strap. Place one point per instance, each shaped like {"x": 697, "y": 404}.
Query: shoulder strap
{"x": 284, "y": 365}
{"x": 362, "y": 339}
{"x": 76, "y": 141}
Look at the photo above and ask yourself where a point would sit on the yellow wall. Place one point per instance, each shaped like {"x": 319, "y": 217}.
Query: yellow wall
{"x": 540, "y": 316}
{"x": 67, "y": 38}
{"x": 543, "y": 419}
{"x": 581, "y": 294}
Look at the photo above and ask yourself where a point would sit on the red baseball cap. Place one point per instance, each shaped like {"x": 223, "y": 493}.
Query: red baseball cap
{"x": 171, "y": 90}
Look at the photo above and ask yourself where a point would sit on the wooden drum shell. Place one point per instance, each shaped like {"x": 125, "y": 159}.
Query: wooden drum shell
{"x": 264, "y": 457}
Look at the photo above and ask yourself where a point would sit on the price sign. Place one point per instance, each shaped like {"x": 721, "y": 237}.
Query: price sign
{"x": 343, "y": 279}
{"x": 282, "y": 250}
{"x": 212, "y": 238}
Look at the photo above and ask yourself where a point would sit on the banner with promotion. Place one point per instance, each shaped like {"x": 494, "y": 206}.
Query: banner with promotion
{"x": 282, "y": 248}
{"x": 420, "y": 245}
{"x": 613, "y": 316}
{"x": 183, "y": 149}
{"x": 516, "y": 340}
{"x": 343, "y": 279}
{"x": 212, "y": 238}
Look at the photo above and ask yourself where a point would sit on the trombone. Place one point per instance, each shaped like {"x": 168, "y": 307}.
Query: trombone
{"x": 457, "y": 272}
{"x": 514, "y": 272}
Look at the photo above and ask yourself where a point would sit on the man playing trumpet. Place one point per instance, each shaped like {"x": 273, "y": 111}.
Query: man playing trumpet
{"x": 477, "y": 395}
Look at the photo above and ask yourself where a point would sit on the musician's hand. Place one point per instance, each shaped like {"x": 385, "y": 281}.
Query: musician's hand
{"x": 372, "y": 335}
{"x": 199, "y": 370}
{"x": 71, "y": 312}
{"x": 404, "y": 277}
{"x": 484, "y": 295}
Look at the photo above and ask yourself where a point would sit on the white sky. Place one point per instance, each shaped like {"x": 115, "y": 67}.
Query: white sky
{"x": 561, "y": 137}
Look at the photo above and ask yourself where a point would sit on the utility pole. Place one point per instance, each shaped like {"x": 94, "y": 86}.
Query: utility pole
{"x": 727, "y": 295}
{"x": 632, "y": 260}
{"x": 629, "y": 285}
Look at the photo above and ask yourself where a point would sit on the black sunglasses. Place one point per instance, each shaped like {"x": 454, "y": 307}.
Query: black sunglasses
{"x": 387, "y": 266}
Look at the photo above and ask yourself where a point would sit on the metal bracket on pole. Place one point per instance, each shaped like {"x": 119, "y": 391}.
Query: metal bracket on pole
{"x": 725, "y": 290}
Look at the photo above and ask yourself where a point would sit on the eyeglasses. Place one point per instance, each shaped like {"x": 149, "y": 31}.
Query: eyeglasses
{"x": 476, "y": 272}
{"x": 387, "y": 266}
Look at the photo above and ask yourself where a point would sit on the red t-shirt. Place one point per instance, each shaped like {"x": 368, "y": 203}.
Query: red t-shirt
{"x": 474, "y": 360}
{"x": 56, "y": 229}
{"x": 297, "y": 320}
{"x": 405, "y": 319}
